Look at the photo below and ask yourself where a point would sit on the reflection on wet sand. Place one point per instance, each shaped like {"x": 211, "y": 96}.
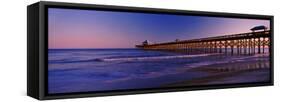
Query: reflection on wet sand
{"x": 239, "y": 71}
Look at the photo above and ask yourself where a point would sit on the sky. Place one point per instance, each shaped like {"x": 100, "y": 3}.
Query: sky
{"x": 75, "y": 28}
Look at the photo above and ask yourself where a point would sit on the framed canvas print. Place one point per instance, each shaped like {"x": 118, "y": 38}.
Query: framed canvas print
{"x": 82, "y": 50}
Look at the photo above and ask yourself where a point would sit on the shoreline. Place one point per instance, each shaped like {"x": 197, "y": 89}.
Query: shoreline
{"x": 228, "y": 73}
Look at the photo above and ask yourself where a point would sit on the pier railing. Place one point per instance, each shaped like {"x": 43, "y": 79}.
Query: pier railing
{"x": 243, "y": 43}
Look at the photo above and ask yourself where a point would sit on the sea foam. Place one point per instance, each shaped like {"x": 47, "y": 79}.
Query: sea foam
{"x": 154, "y": 57}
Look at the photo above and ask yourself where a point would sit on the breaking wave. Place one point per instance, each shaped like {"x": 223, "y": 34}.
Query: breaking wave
{"x": 153, "y": 57}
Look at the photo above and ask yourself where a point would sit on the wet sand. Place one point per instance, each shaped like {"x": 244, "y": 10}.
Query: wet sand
{"x": 229, "y": 73}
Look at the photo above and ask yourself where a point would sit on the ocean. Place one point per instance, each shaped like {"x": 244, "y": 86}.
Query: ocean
{"x": 87, "y": 70}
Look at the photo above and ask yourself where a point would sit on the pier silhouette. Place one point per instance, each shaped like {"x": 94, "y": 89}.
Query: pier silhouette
{"x": 254, "y": 42}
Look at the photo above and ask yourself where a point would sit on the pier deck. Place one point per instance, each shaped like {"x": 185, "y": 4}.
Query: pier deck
{"x": 243, "y": 43}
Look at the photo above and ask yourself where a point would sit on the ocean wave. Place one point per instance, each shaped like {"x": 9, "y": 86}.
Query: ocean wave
{"x": 153, "y": 57}
{"x": 71, "y": 61}
{"x": 149, "y": 58}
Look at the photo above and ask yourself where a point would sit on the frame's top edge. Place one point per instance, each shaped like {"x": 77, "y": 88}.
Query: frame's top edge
{"x": 150, "y": 9}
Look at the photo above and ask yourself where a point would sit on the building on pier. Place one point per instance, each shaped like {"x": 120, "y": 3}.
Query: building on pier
{"x": 258, "y": 28}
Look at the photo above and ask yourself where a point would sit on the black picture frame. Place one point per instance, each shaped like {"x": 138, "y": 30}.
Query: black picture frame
{"x": 37, "y": 48}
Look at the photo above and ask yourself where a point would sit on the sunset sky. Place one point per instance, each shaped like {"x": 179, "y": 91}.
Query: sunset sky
{"x": 73, "y": 28}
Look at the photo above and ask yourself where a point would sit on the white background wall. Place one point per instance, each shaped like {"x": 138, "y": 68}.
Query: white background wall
{"x": 13, "y": 51}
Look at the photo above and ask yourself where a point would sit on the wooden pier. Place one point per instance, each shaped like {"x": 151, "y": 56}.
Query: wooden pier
{"x": 244, "y": 43}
